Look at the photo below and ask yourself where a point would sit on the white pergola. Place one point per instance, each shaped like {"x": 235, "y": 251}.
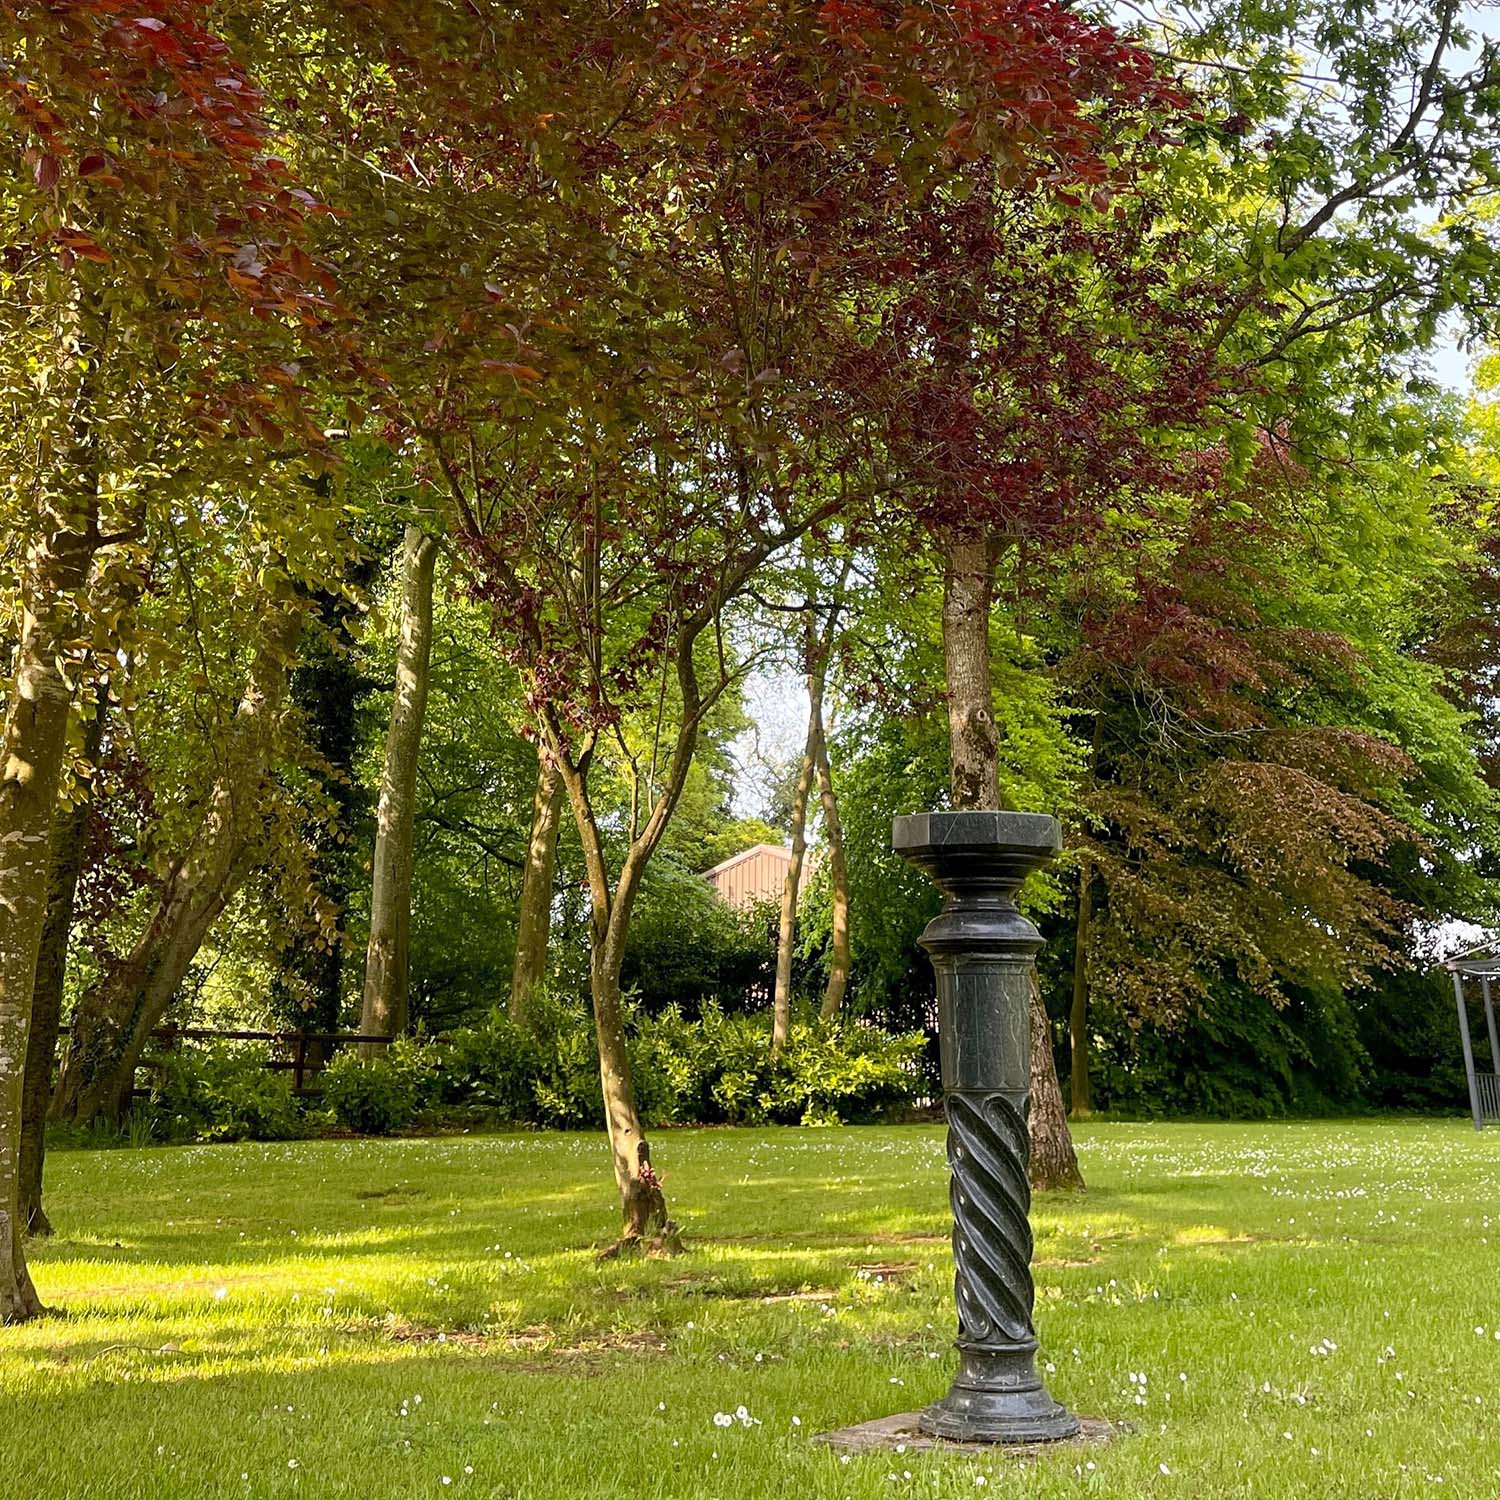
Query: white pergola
{"x": 1482, "y": 964}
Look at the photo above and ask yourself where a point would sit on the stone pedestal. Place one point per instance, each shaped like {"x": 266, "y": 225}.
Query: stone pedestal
{"x": 983, "y": 952}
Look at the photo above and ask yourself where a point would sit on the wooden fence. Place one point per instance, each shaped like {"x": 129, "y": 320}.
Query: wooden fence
{"x": 303, "y": 1054}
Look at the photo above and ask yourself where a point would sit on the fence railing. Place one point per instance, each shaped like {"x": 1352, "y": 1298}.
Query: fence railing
{"x": 303, "y": 1054}
{"x": 1489, "y": 1095}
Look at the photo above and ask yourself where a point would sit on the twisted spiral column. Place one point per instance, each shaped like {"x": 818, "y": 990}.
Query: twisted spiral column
{"x": 991, "y": 1199}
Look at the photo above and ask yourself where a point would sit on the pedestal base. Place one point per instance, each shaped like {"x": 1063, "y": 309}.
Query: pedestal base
{"x": 904, "y": 1431}
{"x": 966, "y": 1415}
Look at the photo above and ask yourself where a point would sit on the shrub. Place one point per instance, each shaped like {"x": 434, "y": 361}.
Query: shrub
{"x": 566, "y": 1087}
{"x": 374, "y": 1095}
{"x": 221, "y": 1093}
{"x": 493, "y": 1065}
{"x": 732, "y": 951}
{"x": 422, "y": 1066}
{"x": 849, "y": 1073}
{"x": 715, "y": 1069}
{"x": 672, "y": 1062}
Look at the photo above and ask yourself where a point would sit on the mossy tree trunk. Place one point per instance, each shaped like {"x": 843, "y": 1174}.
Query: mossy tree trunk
{"x": 383, "y": 1011}
{"x": 534, "y": 917}
{"x": 69, "y": 844}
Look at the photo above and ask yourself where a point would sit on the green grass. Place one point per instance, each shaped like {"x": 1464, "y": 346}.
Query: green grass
{"x": 425, "y": 1318}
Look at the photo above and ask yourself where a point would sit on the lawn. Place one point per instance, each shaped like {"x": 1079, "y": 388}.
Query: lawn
{"x": 1278, "y": 1310}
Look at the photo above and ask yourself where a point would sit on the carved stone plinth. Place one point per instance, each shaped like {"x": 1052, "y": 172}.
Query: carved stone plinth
{"x": 983, "y": 952}
{"x": 903, "y": 1433}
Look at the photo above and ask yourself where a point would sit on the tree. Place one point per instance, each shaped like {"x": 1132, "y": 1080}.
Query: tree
{"x": 1271, "y": 767}
{"x": 134, "y": 152}
{"x": 701, "y": 310}
{"x": 326, "y": 692}
{"x": 819, "y": 638}
{"x": 534, "y": 918}
{"x": 69, "y": 851}
{"x": 387, "y": 963}
{"x": 840, "y": 955}
{"x": 1346, "y": 207}
{"x": 1342, "y": 216}
{"x": 112, "y": 1022}
{"x": 1025, "y": 422}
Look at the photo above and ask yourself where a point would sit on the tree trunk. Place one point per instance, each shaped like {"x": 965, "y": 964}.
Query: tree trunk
{"x": 968, "y": 592}
{"x": 1078, "y": 1015}
{"x": 838, "y": 880}
{"x": 328, "y": 688}
{"x": 973, "y": 748}
{"x": 1054, "y": 1163}
{"x": 643, "y": 1206}
{"x": 69, "y": 839}
{"x": 387, "y": 963}
{"x": 31, "y": 761}
{"x": 791, "y": 885}
{"x": 114, "y": 1020}
{"x": 58, "y": 562}
{"x": 534, "y": 919}
{"x": 642, "y": 1203}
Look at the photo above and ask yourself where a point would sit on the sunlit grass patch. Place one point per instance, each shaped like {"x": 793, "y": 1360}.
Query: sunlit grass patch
{"x": 1276, "y": 1311}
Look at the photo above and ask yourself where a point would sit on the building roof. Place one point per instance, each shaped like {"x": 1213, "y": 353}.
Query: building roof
{"x": 779, "y": 850}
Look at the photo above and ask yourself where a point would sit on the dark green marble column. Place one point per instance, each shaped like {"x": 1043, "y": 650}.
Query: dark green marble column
{"x": 984, "y": 951}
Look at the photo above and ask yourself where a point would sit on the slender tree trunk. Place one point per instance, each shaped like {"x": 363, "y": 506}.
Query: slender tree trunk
{"x": 1078, "y": 1015}
{"x": 838, "y": 880}
{"x": 114, "y": 1020}
{"x": 968, "y": 592}
{"x": 31, "y": 761}
{"x": 69, "y": 842}
{"x": 1054, "y": 1163}
{"x": 534, "y": 919}
{"x": 642, "y": 1203}
{"x": 643, "y": 1206}
{"x": 791, "y": 885}
{"x": 387, "y": 963}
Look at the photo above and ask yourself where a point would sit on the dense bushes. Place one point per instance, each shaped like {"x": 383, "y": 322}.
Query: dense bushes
{"x": 221, "y": 1093}
{"x": 730, "y": 960}
{"x": 715, "y": 1069}
{"x": 1393, "y": 1046}
{"x": 383, "y": 1094}
{"x": 712, "y": 1070}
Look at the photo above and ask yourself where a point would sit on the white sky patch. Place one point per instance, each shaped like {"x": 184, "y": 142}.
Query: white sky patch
{"x": 776, "y": 699}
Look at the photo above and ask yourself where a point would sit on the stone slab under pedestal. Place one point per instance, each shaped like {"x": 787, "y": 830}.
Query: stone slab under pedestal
{"x": 902, "y": 1431}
